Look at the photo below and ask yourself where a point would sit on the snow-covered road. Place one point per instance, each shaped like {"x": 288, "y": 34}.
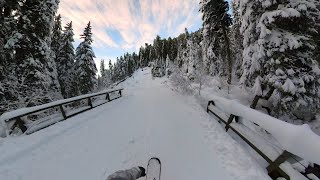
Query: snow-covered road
{"x": 149, "y": 120}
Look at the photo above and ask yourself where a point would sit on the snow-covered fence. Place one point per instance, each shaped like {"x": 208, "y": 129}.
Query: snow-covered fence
{"x": 299, "y": 140}
{"x": 51, "y": 113}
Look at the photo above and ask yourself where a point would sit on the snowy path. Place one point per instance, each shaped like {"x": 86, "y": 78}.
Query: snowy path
{"x": 150, "y": 120}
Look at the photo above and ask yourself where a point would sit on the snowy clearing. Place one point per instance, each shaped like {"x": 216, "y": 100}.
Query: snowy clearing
{"x": 150, "y": 120}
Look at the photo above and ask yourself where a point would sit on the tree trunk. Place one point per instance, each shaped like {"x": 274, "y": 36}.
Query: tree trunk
{"x": 229, "y": 60}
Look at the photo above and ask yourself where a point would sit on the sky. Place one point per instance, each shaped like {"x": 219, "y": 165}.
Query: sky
{"x": 121, "y": 26}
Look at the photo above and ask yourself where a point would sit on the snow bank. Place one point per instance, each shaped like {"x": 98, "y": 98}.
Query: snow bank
{"x": 297, "y": 139}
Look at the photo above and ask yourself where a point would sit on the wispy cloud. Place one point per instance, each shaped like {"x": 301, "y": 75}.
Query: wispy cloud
{"x": 125, "y": 25}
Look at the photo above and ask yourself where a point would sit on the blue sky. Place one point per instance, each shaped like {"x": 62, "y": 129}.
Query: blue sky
{"x": 121, "y": 26}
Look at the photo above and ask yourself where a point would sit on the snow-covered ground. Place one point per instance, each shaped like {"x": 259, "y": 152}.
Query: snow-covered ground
{"x": 149, "y": 120}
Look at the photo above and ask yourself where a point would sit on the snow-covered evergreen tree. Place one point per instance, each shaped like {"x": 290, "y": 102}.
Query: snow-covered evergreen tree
{"x": 135, "y": 59}
{"x": 182, "y": 49}
{"x": 208, "y": 57}
{"x": 102, "y": 72}
{"x": 102, "y": 68}
{"x": 216, "y": 22}
{"x": 8, "y": 25}
{"x": 194, "y": 54}
{"x": 141, "y": 52}
{"x": 122, "y": 67}
{"x": 130, "y": 65}
{"x": 85, "y": 66}
{"x": 168, "y": 66}
{"x": 172, "y": 48}
{"x": 111, "y": 70}
{"x": 236, "y": 39}
{"x": 57, "y": 40}
{"x": 157, "y": 44}
{"x": 317, "y": 38}
{"x": 65, "y": 62}
{"x": 104, "y": 80}
{"x": 278, "y": 52}
{"x": 180, "y": 81}
{"x": 36, "y": 68}
{"x": 115, "y": 71}
{"x": 200, "y": 74}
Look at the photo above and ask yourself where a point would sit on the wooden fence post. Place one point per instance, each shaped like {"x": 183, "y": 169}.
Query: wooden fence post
{"x": 237, "y": 119}
{"x": 274, "y": 170}
{"x": 230, "y": 121}
{"x": 20, "y": 124}
{"x": 89, "y": 102}
{"x": 209, "y": 103}
{"x": 108, "y": 97}
{"x": 63, "y": 113}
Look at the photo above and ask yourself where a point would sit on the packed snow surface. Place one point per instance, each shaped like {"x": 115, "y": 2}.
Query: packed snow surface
{"x": 149, "y": 120}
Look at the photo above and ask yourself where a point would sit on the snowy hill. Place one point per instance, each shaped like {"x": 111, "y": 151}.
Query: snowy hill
{"x": 150, "y": 120}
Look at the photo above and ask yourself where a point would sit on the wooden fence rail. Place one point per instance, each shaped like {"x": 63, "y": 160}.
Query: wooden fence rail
{"x": 15, "y": 118}
{"x": 273, "y": 169}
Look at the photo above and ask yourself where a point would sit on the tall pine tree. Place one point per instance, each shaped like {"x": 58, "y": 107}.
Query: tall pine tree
{"x": 102, "y": 68}
{"x": 236, "y": 39}
{"x": 65, "y": 62}
{"x": 111, "y": 69}
{"x": 9, "y": 10}
{"x": 317, "y": 50}
{"x": 105, "y": 78}
{"x": 56, "y": 37}
{"x": 37, "y": 72}
{"x": 216, "y": 28}
{"x": 8, "y": 25}
{"x": 85, "y": 66}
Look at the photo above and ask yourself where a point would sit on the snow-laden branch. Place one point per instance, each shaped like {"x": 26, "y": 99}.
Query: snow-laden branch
{"x": 297, "y": 139}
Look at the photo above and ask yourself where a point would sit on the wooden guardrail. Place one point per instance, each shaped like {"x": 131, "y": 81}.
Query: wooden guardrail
{"x": 13, "y": 119}
{"x": 273, "y": 169}
{"x": 294, "y": 141}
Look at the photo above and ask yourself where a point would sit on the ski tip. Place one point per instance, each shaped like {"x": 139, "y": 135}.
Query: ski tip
{"x": 155, "y": 158}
